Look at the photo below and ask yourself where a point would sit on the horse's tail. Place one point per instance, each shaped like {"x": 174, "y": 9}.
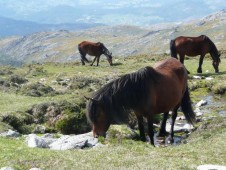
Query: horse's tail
{"x": 187, "y": 107}
{"x": 173, "y": 50}
{"x": 83, "y": 56}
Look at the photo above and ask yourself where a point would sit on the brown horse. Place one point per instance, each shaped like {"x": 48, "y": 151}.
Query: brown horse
{"x": 193, "y": 46}
{"x": 93, "y": 49}
{"x": 147, "y": 92}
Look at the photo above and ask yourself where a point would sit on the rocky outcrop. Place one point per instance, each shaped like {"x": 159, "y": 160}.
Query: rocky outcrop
{"x": 64, "y": 142}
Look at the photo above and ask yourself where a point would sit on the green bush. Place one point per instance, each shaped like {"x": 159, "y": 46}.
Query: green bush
{"x": 17, "y": 79}
{"x": 219, "y": 88}
{"x": 21, "y": 122}
{"x": 72, "y": 123}
{"x": 38, "y": 89}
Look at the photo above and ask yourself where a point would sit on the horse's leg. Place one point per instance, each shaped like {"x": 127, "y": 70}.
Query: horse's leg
{"x": 199, "y": 70}
{"x": 98, "y": 58}
{"x": 174, "y": 116}
{"x": 151, "y": 130}
{"x": 93, "y": 60}
{"x": 141, "y": 127}
{"x": 83, "y": 63}
{"x": 182, "y": 61}
{"x": 82, "y": 58}
{"x": 162, "y": 131}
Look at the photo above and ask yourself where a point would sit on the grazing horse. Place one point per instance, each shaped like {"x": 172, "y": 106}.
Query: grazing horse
{"x": 149, "y": 91}
{"x": 193, "y": 46}
{"x": 93, "y": 49}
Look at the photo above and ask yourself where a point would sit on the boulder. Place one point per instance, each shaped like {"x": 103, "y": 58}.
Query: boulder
{"x": 34, "y": 141}
{"x": 10, "y": 133}
{"x": 211, "y": 167}
{"x": 201, "y": 103}
{"x": 67, "y": 142}
{"x": 180, "y": 127}
{"x": 6, "y": 168}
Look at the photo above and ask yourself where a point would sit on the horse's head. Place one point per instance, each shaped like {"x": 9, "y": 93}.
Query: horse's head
{"x": 109, "y": 57}
{"x": 107, "y": 53}
{"x": 97, "y": 117}
{"x": 216, "y": 62}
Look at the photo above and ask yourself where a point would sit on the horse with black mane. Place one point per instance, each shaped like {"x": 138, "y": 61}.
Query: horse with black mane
{"x": 193, "y": 46}
{"x": 149, "y": 91}
{"x": 93, "y": 49}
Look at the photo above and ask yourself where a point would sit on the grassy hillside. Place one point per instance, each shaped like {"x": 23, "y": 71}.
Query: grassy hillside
{"x": 69, "y": 82}
{"x": 122, "y": 41}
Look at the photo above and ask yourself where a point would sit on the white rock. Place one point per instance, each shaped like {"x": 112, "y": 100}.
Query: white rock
{"x": 211, "y": 167}
{"x": 198, "y": 112}
{"x": 10, "y": 133}
{"x": 179, "y": 127}
{"x": 209, "y": 78}
{"x": 6, "y": 168}
{"x": 201, "y": 103}
{"x": 74, "y": 142}
{"x": 197, "y": 77}
{"x": 39, "y": 142}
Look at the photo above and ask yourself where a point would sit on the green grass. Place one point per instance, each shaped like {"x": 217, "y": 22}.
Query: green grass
{"x": 204, "y": 146}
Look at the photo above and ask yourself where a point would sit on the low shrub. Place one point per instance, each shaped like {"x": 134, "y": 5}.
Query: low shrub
{"x": 17, "y": 79}
{"x": 38, "y": 89}
{"x": 72, "y": 123}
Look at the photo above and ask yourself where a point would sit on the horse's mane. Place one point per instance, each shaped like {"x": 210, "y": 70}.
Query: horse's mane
{"x": 104, "y": 49}
{"x": 213, "y": 50}
{"x": 130, "y": 92}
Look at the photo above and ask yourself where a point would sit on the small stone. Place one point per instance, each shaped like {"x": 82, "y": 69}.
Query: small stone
{"x": 210, "y": 166}
{"x": 6, "y": 168}
{"x": 209, "y": 78}
{"x": 10, "y": 133}
{"x": 197, "y": 77}
{"x": 201, "y": 103}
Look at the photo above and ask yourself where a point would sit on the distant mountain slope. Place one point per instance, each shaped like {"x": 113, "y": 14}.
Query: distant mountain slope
{"x": 9, "y": 27}
{"x": 61, "y": 46}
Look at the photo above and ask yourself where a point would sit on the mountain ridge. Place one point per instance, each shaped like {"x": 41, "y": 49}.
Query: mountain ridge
{"x": 122, "y": 40}
{"x": 12, "y": 27}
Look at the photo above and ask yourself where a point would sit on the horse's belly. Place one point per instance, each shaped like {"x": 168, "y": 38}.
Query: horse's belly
{"x": 169, "y": 101}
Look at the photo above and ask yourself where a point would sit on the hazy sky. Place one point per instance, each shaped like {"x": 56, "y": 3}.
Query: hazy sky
{"x": 110, "y": 12}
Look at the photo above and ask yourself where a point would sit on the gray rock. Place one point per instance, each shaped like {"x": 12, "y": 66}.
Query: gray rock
{"x": 201, "y": 103}
{"x": 197, "y": 77}
{"x": 74, "y": 142}
{"x": 65, "y": 142}
{"x": 179, "y": 127}
{"x": 198, "y": 112}
{"x": 6, "y": 168}
{"x": 35, "y": 169}
{"x": 211, "y": 167}
{"x": 10, "y": 133}
{"x": 39, "y": 142}
{"x": 209, "y": 78}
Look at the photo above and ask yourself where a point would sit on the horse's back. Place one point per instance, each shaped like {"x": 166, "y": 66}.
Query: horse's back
{"x": 192, "y": 46}
{"x": 170, "y": 86}
{"x": 169, "y": 65}
{"x": 91, "y": 48}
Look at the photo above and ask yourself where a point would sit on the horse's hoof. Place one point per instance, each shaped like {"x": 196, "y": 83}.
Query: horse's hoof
{"x": 199, "y": 71}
